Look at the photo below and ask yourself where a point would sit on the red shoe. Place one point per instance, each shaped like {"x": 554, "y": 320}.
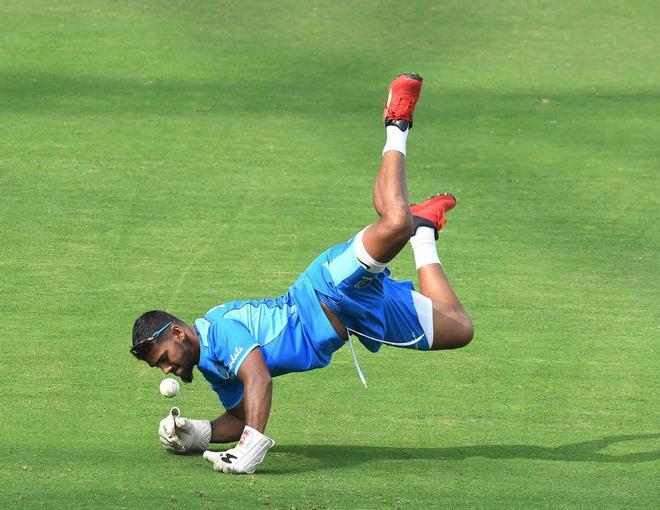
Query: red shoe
{"x": 432, "y": 211}
{"x": 401, "y": 100}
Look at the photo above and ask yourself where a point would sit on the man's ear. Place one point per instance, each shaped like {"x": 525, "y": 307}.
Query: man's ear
{"x": 178, "y": 333}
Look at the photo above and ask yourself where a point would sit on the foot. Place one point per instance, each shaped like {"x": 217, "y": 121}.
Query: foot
{"x": 401, "y": 99}
{"x": 432, "y": 211}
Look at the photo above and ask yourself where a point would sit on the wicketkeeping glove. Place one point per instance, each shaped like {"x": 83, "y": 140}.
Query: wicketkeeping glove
{"x": 245, "y": 456}
{"x": 181, "y": 435}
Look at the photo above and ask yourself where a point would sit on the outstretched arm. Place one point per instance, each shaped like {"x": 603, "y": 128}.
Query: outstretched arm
{"x": 257, "y": 390}
{"x": 253, "y": 412}
{"x": 257, "y": 400}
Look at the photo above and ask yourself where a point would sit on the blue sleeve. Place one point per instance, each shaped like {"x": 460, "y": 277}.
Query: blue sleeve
{"x": 230, "y": 392}
{"x": 233, "y": 342}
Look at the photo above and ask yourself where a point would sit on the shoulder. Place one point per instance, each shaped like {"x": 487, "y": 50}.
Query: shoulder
{"x": 229, "y": 337}
{"x": 231, "y": 342}
{"x": 223, "y": 328}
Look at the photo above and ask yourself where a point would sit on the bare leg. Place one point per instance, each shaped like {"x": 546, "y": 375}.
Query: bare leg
{"x": 452, "y": 327}
{"x": 385, "y": 238}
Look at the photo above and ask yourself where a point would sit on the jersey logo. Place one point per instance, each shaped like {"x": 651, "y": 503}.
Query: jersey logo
{"x": 222, "y": 371}
{"x": 234, "y": 357}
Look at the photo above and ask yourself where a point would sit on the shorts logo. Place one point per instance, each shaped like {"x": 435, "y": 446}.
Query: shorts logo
{"x": 363, "y": 282}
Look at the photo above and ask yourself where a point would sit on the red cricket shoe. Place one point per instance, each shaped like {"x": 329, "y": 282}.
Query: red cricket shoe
{"x": 432, "y": 211}
{"x": 401, "y": 100}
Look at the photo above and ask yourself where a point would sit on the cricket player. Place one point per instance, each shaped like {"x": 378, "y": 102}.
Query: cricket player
{"x": 347, "y": 291}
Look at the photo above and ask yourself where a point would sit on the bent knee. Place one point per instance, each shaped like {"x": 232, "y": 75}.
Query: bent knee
{"x": 399, "y": 222}
{"x": 453, "y": 332}
{"x": 466, "y": 333}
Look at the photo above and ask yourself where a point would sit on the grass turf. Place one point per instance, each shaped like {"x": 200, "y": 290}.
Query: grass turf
{"x": 178, "y": 155}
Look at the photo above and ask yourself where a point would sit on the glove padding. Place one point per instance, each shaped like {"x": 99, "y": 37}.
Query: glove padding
{"x": 181, "y": 435}
{"x": 245, "y": 456}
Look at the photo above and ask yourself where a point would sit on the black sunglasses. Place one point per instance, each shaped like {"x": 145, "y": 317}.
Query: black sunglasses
{"x": 139, "y": 349}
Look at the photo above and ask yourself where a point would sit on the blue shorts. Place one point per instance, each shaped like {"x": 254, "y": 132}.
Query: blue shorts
{"x": 374, "y": 307}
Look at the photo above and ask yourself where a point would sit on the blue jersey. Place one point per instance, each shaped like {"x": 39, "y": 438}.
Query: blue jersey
{"x": 292, "y": 331}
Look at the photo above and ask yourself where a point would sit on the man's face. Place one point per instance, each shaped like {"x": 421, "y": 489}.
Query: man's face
{"x": 173, "y": 354}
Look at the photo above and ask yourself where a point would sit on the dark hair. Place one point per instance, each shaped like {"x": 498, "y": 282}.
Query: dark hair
{"x": 150, "y": 322}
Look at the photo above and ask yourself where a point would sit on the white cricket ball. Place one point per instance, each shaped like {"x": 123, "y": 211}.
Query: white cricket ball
{"x": 169, "y": 388}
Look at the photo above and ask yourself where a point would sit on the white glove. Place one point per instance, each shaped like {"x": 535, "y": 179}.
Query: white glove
{"x": 181, "y": 435}
{"x": 245, "y": 456}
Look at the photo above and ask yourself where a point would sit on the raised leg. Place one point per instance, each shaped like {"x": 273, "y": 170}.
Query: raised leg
{"x": 385, "y": 238}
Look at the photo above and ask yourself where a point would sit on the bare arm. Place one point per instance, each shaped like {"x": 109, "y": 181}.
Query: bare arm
{"x": 257, "y": 390}
{"x": 229, "y": 426}
{"x": 252, "y": 413}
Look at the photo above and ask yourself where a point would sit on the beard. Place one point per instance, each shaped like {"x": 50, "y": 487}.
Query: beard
{"x": 187, "y": 369}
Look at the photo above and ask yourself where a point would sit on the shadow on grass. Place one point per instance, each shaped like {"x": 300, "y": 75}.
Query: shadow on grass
{"x": 339, "y": 456}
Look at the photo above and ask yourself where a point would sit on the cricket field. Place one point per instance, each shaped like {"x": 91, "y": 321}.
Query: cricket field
{"x": 177, "y": 155}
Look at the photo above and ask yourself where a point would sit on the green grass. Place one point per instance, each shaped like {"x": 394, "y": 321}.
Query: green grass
{"x": 181, "y": 154}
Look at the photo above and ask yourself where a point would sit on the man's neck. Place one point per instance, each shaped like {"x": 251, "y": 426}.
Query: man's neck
{"x": 194, "y": 340}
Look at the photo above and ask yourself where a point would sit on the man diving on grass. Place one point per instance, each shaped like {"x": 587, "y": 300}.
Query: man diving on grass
{"x": 347, "y": 291}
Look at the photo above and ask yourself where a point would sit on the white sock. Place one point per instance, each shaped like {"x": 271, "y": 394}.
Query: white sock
{"x": 424, "y": 248}
{"x": 396, "y": 140}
